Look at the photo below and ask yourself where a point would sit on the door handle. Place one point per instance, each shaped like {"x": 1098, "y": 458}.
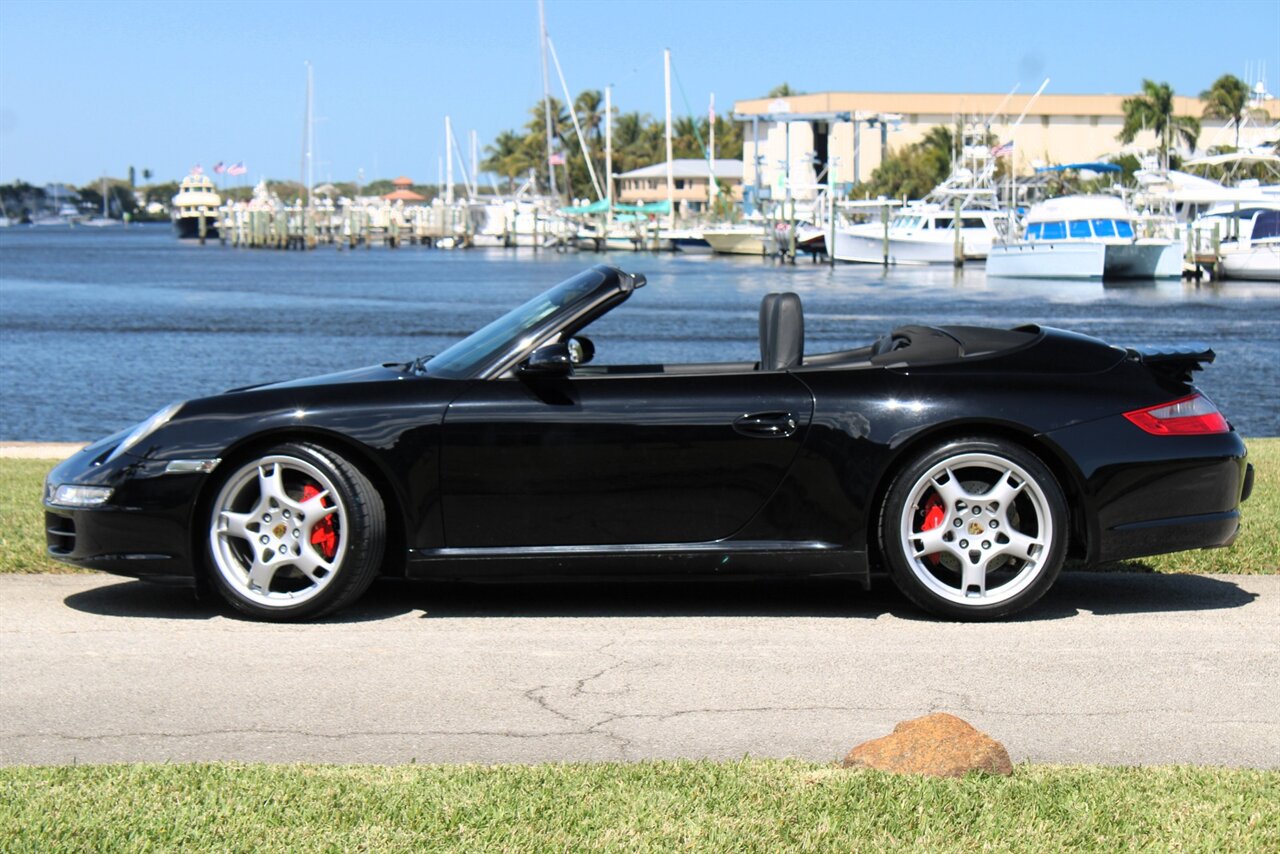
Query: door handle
{"x": 767, "y": 425}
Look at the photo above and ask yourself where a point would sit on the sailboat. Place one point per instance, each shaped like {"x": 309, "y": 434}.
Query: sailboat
{"x": 104, "y": 221}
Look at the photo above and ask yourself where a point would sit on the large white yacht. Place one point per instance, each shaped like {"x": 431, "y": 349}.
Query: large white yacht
{"x": 196, "y": 198}
{"x": 1084, "y": 237}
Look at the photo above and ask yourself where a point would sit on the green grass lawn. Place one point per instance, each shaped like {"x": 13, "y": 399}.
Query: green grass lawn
{"x": 746, "y": 806}
{"x": 22, "y": 541}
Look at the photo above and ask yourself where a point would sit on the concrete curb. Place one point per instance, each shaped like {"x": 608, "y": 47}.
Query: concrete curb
{"x": 39, "y": 450}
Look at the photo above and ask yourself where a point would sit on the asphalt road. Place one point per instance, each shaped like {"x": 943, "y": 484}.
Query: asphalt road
{"x": 1114, "y": 669}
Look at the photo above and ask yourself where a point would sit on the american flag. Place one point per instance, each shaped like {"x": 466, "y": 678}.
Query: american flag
{"x": 1003, "y": 150}
{"x": 556, "y": 159}
{"x": 237, "y": 169}
{"x": 197, "y": 169}
{"x": 219, "y": 168}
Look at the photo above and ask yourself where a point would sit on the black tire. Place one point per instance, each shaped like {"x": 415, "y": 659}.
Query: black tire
{"x": 294, "y": 533}
{"x": 946, "y": 539}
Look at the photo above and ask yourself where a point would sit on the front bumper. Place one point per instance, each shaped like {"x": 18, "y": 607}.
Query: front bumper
{"x": 143, "y": 530}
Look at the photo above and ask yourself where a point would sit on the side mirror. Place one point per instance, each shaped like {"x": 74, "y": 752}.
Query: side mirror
{"x": 581, "y": 350}
{"x": 549, "y": 360}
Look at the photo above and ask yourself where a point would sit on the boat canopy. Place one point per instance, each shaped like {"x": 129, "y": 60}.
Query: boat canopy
{"x": 1236, "y": 157}
{"x": 601, "y": 206}
{"x": 1079, "y": 207}
{"x": 1092, "y": 167}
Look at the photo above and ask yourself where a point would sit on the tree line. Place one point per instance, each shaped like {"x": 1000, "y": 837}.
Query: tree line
{"x": 638, "y": 140}
{"x": 913, "y": 170}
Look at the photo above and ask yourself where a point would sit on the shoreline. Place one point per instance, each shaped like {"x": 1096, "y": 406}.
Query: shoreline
{"x": 38, "y": 450}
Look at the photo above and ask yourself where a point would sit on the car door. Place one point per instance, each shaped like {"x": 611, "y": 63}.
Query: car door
{"x": 613, "y": 459}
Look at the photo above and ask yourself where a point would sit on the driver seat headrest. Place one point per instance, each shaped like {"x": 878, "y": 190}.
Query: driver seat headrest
{"x": 781, "y": 332}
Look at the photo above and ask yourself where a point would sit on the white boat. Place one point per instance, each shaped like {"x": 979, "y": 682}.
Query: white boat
{"x": 921, "y": 233}
{"x": 104, "y": 221}
{"x": 924, "y": 232}
{"x": 1084, "y": 237}
{"x": 687, "y": 240}
{"x": 1249, "y": 241}
{"x": 196, "y": 199}
{"x": 743, "y": 239}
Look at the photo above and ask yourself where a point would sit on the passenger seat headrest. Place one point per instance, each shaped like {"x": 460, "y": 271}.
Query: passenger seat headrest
{"x": 781, "y": 332}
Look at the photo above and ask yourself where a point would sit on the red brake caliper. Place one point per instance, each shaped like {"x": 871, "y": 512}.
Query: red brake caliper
{"x": 323, "y": 536}
{"x": 935, "y": 514}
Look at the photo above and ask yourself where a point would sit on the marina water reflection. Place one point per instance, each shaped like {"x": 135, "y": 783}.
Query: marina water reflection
{"x": 100, "y": 327}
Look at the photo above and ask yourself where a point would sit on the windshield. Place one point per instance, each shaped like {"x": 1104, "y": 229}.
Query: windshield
{"x": 479, "y": 348}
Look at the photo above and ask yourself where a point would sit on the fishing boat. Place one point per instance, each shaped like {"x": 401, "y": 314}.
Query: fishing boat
{"x": 925, "y": 232}
{"x": 196, "y": 200}
{"x": 739, "y": 239}
{"x": 1084, "y": 237}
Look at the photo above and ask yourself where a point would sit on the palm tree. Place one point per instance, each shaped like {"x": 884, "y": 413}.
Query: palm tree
{"x": 1228, "y": 98}
{"x": 782, "y": 90}
{"x": 589, "y": 107}
{"x": 687, "y": 138}
{"x": 509, "y": 156}
{"x": 1154, "y": 109}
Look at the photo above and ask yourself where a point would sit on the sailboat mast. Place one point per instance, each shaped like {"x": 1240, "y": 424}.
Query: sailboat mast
{"x": 546, "y": 93}
{"x": 308, "y": 172}
{"x": 448, "y": 161}
{"x": 713, "y": 189}
{"x": 608, "y": 153}
{"x": 671, "y": 179}
{"x": 475, "y": 166}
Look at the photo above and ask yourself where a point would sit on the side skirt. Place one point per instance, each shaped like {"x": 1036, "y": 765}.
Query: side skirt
{"x": 698, "y": 560}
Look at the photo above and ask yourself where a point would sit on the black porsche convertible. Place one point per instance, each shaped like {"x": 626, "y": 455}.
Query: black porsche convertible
{"x": 968, "y": 463}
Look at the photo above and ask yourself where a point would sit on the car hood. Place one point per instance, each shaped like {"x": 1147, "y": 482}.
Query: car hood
{"x": 373, "y": 373}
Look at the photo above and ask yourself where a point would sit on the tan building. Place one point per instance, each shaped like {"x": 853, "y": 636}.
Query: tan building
{"x": 692, "y": 182}
{"x": 1056, "y": 129}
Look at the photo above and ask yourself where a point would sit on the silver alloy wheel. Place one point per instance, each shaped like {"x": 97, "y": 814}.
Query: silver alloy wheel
{"x": 973, "y": 518}
{"x": 264, "y": 528}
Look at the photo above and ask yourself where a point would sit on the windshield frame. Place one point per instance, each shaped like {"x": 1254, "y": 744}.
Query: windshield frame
{"x": 501, "y": 344}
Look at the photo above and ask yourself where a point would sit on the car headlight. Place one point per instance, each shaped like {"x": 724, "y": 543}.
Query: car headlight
{"x": 146, "y": 428}
{"x": 74, "y": 495}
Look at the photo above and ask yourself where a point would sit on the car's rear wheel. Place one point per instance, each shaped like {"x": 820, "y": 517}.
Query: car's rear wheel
{"x": 296, "y": 532}
{"x": 974, "y": 529}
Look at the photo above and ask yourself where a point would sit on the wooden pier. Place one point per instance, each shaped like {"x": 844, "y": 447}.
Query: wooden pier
{"x": 350, "y": 226}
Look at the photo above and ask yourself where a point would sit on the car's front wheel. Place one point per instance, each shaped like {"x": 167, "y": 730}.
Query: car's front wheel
{"x": 974, "y": 529}
{"x": 296, "y": 532}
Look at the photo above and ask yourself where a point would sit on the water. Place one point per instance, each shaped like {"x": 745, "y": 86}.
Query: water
{"x": 100, "y": 328}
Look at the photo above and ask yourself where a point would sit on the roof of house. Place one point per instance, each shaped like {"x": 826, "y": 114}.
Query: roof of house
{"x": 688, "y": 168}
{"x": 404, "y": 196}
{"x": 402, "y": 181}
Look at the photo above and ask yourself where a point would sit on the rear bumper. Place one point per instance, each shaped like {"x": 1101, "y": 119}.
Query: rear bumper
{"x": 1176, "y": 534}
{"x": 1145, "y": 495}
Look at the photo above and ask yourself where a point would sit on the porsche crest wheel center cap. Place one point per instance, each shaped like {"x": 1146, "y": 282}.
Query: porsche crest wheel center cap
{"x": 975, "y": 528}
{"x": 279, "y": 530}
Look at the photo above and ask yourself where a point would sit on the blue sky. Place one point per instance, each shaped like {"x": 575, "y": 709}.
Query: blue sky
{"x": 92, "y": 87}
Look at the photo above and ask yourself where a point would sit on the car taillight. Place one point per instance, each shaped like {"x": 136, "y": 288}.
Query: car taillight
{"x": 1187, "y": 416}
